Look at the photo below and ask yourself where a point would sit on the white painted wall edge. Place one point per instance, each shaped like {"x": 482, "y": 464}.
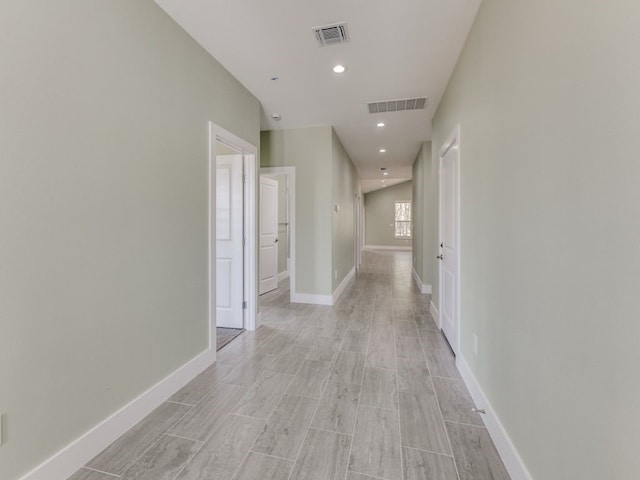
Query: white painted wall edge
{"x": 387, "y": 247}
{"x": 67, "y": 461}
{"x": 312, "y": 299}
{"x": 343, "y": 284}
{"x": 434, "y": 312}
{"x": 426, "y": 289}
{"x": 510, "y": 456}
{"x": 283, "y": 276}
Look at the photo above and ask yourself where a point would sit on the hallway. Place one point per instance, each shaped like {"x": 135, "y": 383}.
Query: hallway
{"x": 364, "y": 390}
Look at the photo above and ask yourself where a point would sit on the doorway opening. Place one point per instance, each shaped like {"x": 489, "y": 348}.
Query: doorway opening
{"x": 232, "y": 237}
{"x": 277, "y": 235}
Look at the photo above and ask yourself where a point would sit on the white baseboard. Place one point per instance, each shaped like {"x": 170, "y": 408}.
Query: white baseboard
{"x": 387, "y": 247}
{"x": 426, "y": 289}
{"x": 312, "y": 299}
{"x": 434, "y": 313}
{"x": 343, "y": 284}
{"x": 283, "y": 275}
{"x": 68, "y": 460}
{"x": 510, "y": 456}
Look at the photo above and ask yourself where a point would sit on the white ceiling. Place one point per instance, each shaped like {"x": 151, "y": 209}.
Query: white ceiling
{"x": 400, "y": 49}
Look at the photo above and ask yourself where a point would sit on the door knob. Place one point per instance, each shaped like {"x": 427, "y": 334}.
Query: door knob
{"x": 276, "y": 241}
{"x": 440, "y": 257}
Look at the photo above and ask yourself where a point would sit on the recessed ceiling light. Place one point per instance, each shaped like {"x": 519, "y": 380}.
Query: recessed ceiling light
{"x": 382, "y": 150}
{"x": 381, "y": 124}
{"x": 384, "y": 185}
{"x": 386, "y": 173}
{"x": 339, "y": 69}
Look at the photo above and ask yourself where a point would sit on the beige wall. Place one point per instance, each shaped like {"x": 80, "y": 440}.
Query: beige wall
{"x": 103, "y": 211}
{"x": 325, "y": 177}
{"x": 345, "y": 185}
{"x": 425, "y": 216}
{"x": 310, "y": 151}
{"x": 547, "y": 97}
{"x": 380, "y": 214}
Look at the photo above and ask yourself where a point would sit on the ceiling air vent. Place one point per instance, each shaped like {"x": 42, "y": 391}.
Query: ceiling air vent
{"x": 398, "y": 105}
{"x": 331, "y": 34}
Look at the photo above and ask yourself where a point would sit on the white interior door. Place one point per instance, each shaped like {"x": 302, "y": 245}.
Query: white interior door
{"x": 449, "y": 247}
{"x": 229, "y": 241}
{"x": 268, "y": 235}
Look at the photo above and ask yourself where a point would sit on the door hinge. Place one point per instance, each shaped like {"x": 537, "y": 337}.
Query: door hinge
{"x": 244, "y": 305}
{"x": 244, "y": 241}
{"x": 244, "y": 179}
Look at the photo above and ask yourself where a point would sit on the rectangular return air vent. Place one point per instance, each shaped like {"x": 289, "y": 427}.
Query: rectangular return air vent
{"x": 398, "y": 105}
{"x": 331, "y": 34}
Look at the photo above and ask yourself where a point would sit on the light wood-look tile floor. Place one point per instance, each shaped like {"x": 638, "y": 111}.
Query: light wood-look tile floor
{"x": 364, "y": 390}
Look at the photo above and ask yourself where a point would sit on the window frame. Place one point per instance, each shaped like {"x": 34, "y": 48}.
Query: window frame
{"x": 396, "y": 221}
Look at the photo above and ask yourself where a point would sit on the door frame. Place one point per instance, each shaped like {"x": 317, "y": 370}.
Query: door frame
{"x": 264, "y": 180}
{"x": 453, "y": 141}
{"x": 290, "y": 173}
{"x": 250, "y": 161}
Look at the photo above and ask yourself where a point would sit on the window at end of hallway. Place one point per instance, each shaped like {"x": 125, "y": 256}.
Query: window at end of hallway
{"x": 403, "y": 219}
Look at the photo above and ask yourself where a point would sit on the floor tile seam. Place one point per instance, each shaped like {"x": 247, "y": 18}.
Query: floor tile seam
{"x": 484, "y": 427}
{"x": 306, "y": 435}
{"x": 247, "y": 416}
{"x": 379, "y": 407}
{"x": 157, "y": 440}
{"x": 181, "y": 403}
{"x": 395, "y": 346}
{"x": 268, "y": 419}
{"x": 444, "y": 426}
{"x": 224, "y": 397}
{"x": 367, "y": 475}
{"x": 429, "y": 451}
{"x": 246, "y": 455}
{"x": 251, "y": 450}
{"x": 153, "y": 444}
{"x": 242, "y": 462}
{"x": 384, "y": 368}
{"x": 184, "y": 438}
{"x": 100, "y": 471}
{"x": 303, "y": 396}
{"x": 193, "y": 455}
{"x": 355, "y": 423}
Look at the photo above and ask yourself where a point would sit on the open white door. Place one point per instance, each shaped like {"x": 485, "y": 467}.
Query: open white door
{"x": 229, "y": 241}
{"x": 449, "y": 238}
{"x": 268, "y": 235}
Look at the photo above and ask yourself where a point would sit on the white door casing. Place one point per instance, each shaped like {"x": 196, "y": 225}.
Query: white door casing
{"x": 229, "y": 241}
{"x": 450, "y": 239}
{"x": 268, "y": 235}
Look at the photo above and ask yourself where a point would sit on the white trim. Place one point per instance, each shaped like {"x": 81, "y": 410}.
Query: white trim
{"x": 507, "y": 450}
{"x": 388, "y": 247}
{"x": 283, "y": 276}
{"x": 343, "y": 284}
{"x": 425, "y": 289}
{"x": 312, "y": 299}
{"x": 290, "y": 172}
{"x": 435, "y": 313}
{"x": 67, "y": 461}
{"x": 250, "y": 156}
